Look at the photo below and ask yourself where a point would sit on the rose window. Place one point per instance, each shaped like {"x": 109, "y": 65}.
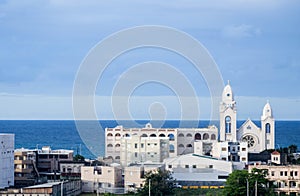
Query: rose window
{"x": 250, "y": 140}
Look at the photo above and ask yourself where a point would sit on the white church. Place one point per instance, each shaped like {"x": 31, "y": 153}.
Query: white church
{"x": 257, "y": 138}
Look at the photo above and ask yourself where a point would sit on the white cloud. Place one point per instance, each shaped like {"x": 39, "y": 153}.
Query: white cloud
{"x": 241, "y": 31}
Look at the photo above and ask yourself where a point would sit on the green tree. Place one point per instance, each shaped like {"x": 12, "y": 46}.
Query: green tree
{"x": 161, "y": 183}
{"x": 236, "y": 184}
{"x": 78, "y": 157}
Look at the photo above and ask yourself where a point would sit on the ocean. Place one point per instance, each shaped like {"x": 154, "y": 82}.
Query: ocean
{"x": 63, "y": 134}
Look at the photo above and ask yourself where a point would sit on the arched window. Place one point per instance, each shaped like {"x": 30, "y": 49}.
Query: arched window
{"x": 181, "y": 146}
{"x": 180, "y": 135}
{"x": 144, "y": 135}
{"x": 127, "y": 135}
{"x": 110, "y": 157}
{"x": 117, "y": 145}
{"x": 109, "y": 135}
{"x": 198, "y": 136}
{"x": 189, "y": 146}
{"x": 213, "y": 137}
{"x": 109, "y": 145}
{"x": 117, "y": 157}
{"x": 189, "y": 135}
{"x": 205, "y": 136}
{"x": 162, "y": 135}
{"x": 118, "y": 135}
{"x": 268, "y": 128}
{"x": 153, "y": 135}
{"x": 227, "y": 124}
{"x": 172, "y": 149}
{"x": 171, "y": 137}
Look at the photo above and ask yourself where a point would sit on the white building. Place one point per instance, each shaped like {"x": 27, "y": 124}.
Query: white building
{"x": 7, "y": 145}
{"x": 258, "y": 139}
{"x": 97, "y": 178}
{"x": 137, "y": 149}
{"x": 181, "y": 140}
{"x": 231, "y": 151}
{"x": 134, "y": 175}
{"x": 199, "y": 170}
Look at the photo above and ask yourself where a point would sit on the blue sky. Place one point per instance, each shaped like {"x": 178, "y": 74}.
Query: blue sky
{"x": 256, "y": 45}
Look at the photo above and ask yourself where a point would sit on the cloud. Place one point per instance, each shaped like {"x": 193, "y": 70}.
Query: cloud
{"x": 241, "y": 31}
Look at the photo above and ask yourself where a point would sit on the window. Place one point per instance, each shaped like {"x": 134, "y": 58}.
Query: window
{"x": 144, "y": 135}
{"x": 243, "y": 159}
{"x": 243, "y": 149}
{"x": 233, "y": 148}
{"x": 213, "y": 137}
{"x": 296, "y": 173}
{"x": 135, "y": 145}
{"x": 180, "y": 135}
{"x": 181, "y": 146}
{"x": 171, "y": 148}
{"x": 227, "y": 124}
{"x": 210, "y": 166}
{"x": 224, "y": 158}
{"x": 223, "y": 149}
{"x": 170, "y": 166}
{"x": 205, "y": 136}
{"x": 189, "y": 146}
{"x": 186, "y": 166}
{"x": 153, "y": 135}
{"x": 171, "y": 137}
{"x": 198, "y": 136}
{"x": 142, "y": 145}
{"x": 162, "y": 135}
{"x": 291, "y": 173}
{"x": 281, "y": 173}
{"x": 118, "y": 135}
{"x": 285, "y": 173}
{"x": 268, "y": 128}
{"x": 272, "y": 173}
{"x": 189, "y": 135}
{"x": 194, "y": 166}
{"x": 135, "y": 154}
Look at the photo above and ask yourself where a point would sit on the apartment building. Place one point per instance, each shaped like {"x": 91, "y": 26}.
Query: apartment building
{"x": 97, "y": 178}
{"x": 181, "y": 140}
{"x": 137, "y": 149}
{"x": 7, "y": 145}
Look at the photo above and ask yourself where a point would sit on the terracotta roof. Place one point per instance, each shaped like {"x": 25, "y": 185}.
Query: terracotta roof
{"x": 275, "y": 153}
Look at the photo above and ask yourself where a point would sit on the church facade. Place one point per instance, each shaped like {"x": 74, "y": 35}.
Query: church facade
{"x": 257, "y": 138}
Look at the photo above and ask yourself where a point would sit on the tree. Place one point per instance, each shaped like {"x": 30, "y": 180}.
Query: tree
{"x": 78, "y": 157}
{"x": 236, "y": 184}
{"x": 161, "y": 183}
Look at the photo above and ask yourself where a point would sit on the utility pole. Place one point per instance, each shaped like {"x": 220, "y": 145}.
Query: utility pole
{"x": 247, "y": 187}
{"x": 256, "y": 188}
{"x": 149, "y": 187}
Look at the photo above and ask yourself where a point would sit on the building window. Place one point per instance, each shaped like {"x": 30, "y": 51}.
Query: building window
{"x": 171, "y": 148}
{"x": 135, "y": 145}
{"x": 296, "y": 173}
{"x": 197, "y": 136}
{"x": 153, "y": 135}
{"x": 194, "y": 166}
{"x": 162, "y": 135}
{"x": 223, "y": 149}
{"x": 142, "y": 145}
{"x": 285, "y": 173}
{"x": 243, "y": 149}
{"x": 268, "y": 128}
{"x": 136, "y": 154}
{"x": 233, "y": 149}
{"x": 213, "y": 137}
{"x": 281, "y": 173}
{"x": 205, "y": 136}
{"x": 189, "y": 135}
{"x": 224, "y": 158}
{"x": 243, "y": 159}
{"x": 171, "y": 137}
{"x": 180, "y": 135}
{"x": 186, "y": 166}
{"x": 227, "y": 124}
{"x": 170, "y": 166}
{"x": 272, "y": 173}
{"x": 211, "y": 166}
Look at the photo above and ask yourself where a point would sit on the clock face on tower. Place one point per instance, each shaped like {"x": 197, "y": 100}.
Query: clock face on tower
{"x": 250, "y": 140}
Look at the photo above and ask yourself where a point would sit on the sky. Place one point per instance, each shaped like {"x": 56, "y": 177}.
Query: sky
{"x": 255, "y": 44}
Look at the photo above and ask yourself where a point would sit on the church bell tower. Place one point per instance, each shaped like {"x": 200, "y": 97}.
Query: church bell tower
{"x": 228, "y": 115}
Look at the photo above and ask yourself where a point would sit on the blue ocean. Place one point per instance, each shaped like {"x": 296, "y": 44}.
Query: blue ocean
{"x": 63, "y": 134}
